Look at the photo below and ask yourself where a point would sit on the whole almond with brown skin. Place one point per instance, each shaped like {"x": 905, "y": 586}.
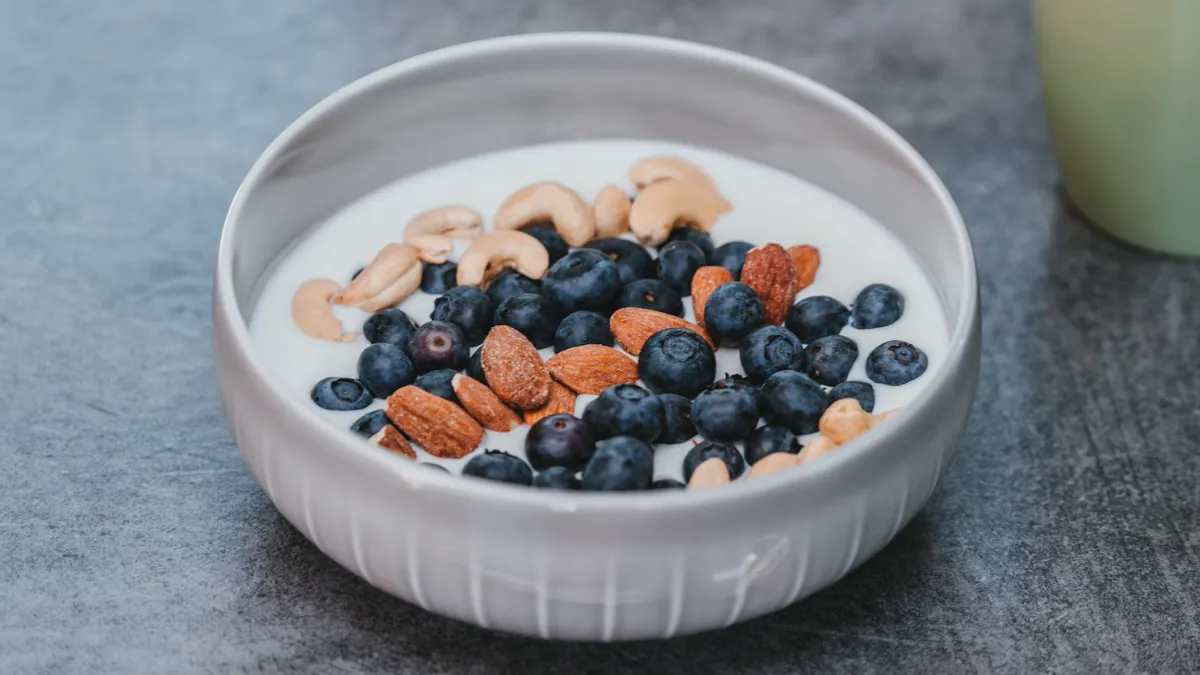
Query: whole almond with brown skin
{"x": 706, "y": 281}
{"x": 806, "y": 259}
{"x": 769, "y": 270}
{"x": 562, "y": 400}
{"x": 632, "y": 326}
{"x": 590, "y": 369}
{"x": 483, "y": 404}
{"x": 441, "y": 428}
{"x": 514, "y": 369}
{"x": 389, "y": 437}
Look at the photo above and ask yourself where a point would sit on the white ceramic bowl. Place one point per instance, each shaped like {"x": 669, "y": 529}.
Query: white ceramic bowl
{"x": 570, "y": 565}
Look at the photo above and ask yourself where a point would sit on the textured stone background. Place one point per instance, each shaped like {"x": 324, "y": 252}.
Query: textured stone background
{"x": 133, "y": 540}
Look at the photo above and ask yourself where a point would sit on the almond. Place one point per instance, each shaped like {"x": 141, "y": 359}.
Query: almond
{"x": 562, "y": 400}
{"x": 514, "y": 369}
{"x": 703, "y": 284}
{"x": 806, "y": 259}
{"x": 390, "y": 437}
{"x": 441, "y": 428}
{"x": 483, "y": 404}
{"x": 632, "y": 326}
{"x": 769, "y": 270}
{"x": 590, "y": 369}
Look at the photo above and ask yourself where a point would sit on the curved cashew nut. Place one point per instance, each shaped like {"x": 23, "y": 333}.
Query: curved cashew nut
{"x": 611, "y": 212}
{"x": 392, "y": 276}
{"x": 314, "y": 316}
{"x": 572, "y": 217}
{"x": 817, "y": 447}
{"x": 494, "y": 251}
{"x": 879, "y": 417}
{"x": 654, "y": 169}
{"x": 667, "y": 204}
{"x": 776, "y": 461}
{"x": 843, "y": 420}
{"x": 433, "y": 231}
{"x": 711, "y": 473}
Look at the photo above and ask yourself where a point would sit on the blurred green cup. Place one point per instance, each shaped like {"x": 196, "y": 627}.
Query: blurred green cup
{"x": 1121, "y": 80}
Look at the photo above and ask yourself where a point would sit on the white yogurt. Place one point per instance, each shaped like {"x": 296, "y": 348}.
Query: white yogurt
{"x": 768, "y": 206}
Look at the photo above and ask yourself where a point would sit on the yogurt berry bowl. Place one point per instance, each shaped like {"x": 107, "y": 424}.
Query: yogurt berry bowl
{"x": 579, "y": 565}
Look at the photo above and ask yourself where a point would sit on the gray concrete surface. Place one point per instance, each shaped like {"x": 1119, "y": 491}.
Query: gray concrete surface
{"x": 133, "y": 540}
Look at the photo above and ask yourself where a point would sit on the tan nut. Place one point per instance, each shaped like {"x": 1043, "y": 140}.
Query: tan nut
{"x": 495, "y": 251}
{"x": 776, "y": 461}
{"x": 843, "y": 420}
{"x": 572, "y": 217}
{"x": 392, "y": 276}
{"x": 611, "y": 212}
{"x": 667, "y": 204}
{"x": 435, "y": 230}
{"x": 710, "y": 473}
{"x": 314, "y": 316}
{"x": 654, "y": 169}
{"x": 817, "y": 447}
{"x": 879, "y": 417}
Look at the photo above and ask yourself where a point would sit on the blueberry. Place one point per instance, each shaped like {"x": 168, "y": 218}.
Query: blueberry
{"x": 392, "y": 326}
{"x": 701, "y": 239}
{"x": 468, "y": 308}
{"x": 677, "y": 419}
{"x": 732, "y": 382}
{"x": 793, "y": 400}
{"x": 770, "y": 439}
{"x": 369, "y": 424}
{"x": 535, "y": 316}
{"x": 769, "y": 350}
{"x": 341, "y": 393}
{"x": 508, "y": 283}
{"x": 583, "y": 279}
{"x": 545, "y": 233}
{"x": 437, "y": 345}
{"x": 556, "y": 478}
{"x": 862, "y": 391}
{"x": 435, "y": 467}
{"x": 876, "y": 306}
{"x": 625, "y": 410}
{"x": 667, "y": 484}
{"x": 816, "y": 317}
{"x": 677, "y": 361}
{"x": 732, "y": 313}
{"x": 582, "y": 328}
{"x": 437, "y": 278}
{"x": 831, "y": 358}
{"x": 633, "y": 262}
{"x": 499, "y": 466}
{"x": 731, "y": 256}
{"x": 677, "y": 264}
{"x": 437, "y": 382}
{"x": 895, "y": 363}
{"x": 651, "y": 294}
{"x": 383, "y": 368}
{"x": 620, "y": 463}
{"x": 559, "y": 440}
{"x": 475, "y": 366}
{"x": 726, "y": 452}
{"x": 726, "y": 414}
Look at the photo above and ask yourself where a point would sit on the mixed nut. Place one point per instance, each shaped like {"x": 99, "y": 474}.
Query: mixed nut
{"x": 559, "y": 271}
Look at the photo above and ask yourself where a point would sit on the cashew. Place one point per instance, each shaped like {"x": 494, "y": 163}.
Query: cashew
{"x": 879, "y": 417}
{"x": 710, "y": 473}
{"x": 776, "y": 461}
{"x": 392, "y": 276}
{"x": 843, "y": 420}
{"x": 611, "y": 212}
{"x": 572, "y": 217}
{"x": 314, "y": 316}
{"x": 817, "y": 447}
{"x": 654, "y": 169}
{"x": 433, "y": 231}
{"x": 667, "y": 204}
{"x": 494, "y": 251}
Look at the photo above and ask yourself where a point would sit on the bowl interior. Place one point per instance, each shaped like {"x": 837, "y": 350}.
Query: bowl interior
{"x": 511, "y": 92}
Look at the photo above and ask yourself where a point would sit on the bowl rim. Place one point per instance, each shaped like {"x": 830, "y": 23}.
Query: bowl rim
{"x": 668, "y": 502}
